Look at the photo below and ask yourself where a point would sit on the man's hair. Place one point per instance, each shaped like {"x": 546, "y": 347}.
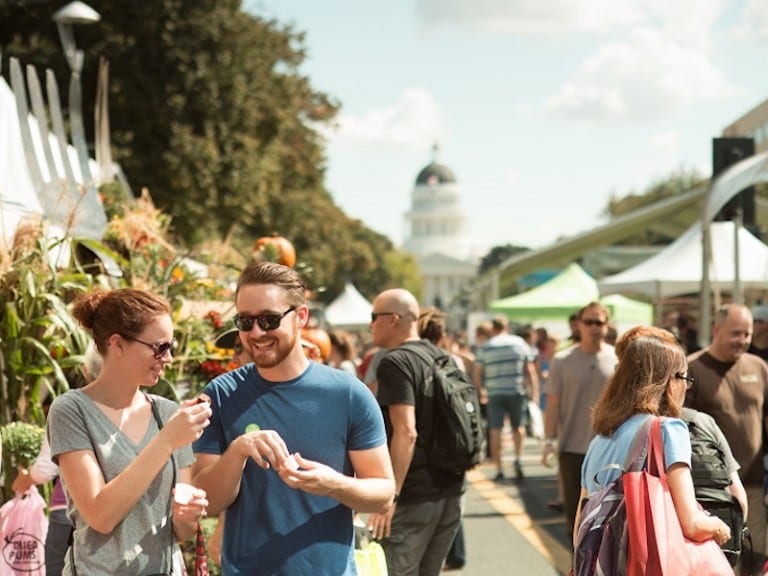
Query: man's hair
{"x": 500, "y": 322}
{"x": 595, "y": 305}
{"x": 484, "y": 329}
{"x": 724, "y": 311}
{"x": 648, "y": 358}
{"x": 284, "y": 277}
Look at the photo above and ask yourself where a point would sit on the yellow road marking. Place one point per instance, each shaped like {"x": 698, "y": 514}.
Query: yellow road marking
{"x": 550, "y": 548}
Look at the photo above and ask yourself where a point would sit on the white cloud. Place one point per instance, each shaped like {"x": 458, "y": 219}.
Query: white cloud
{"x": 646, "y": 77}
{"x": 756, "y": 18}
{"x": 511, "y": 177}
{"x": 534, "y": 17}
{"x": 411, "y": 121}
{"x": 686, "y": 20}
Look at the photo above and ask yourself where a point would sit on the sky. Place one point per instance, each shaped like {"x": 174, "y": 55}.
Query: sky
{"x": 543, "y": 109}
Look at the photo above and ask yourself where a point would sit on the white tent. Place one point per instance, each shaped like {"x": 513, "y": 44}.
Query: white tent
{"x": 350, "y": 309}
{"x": 77, "y": 211}
{"x": 677, "y": 269}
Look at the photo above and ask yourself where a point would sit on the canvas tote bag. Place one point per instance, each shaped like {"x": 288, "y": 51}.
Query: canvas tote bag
{"x": 657, "y": 546}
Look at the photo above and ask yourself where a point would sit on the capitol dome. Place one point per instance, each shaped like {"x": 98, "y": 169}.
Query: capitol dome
{"x": 434, "y": 173}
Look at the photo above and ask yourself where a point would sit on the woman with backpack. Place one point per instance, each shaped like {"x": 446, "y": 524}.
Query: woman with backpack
{"x": 650, "y": 380}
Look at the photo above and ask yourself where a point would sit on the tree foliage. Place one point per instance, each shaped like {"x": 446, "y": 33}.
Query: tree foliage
{"x": 676, "y": 183}
{"x": 210, "y": 111}
{"x": 497, "y": 255}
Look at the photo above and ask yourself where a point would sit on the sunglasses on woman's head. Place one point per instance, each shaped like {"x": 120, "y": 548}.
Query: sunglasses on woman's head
{"x": 267, "y": 322}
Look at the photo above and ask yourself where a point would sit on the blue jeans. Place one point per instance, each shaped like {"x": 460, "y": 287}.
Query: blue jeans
{"x": 421, "y": 536}
{"x": 57, "y": 542}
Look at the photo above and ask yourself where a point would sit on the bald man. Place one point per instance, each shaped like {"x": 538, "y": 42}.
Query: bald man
{"x": 730, "y": 385}
{"x": 418, "y": 530}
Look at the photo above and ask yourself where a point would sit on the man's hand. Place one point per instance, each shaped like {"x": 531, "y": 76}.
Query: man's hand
{"x": 547, "y": 454}
{"x": 310, "y": 476}
{"x": 265, "y": 447}
{"x": 380, "y": 525}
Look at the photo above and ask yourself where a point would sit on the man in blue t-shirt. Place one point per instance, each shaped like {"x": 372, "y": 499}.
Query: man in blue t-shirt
{"x": 293, "y": 446}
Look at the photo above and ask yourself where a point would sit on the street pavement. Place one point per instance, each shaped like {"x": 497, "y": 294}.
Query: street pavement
{"x": 508, "y": 527}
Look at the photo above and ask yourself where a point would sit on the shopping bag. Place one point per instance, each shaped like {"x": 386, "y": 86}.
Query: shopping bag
{"x": 536, "y": 420}
{"x": 201, "y": 557}
{"x": 369, "y": 555}
{"x": 370, "y": 560}
{"x": 657, "y": 544}
{"x": 23, "y": 528}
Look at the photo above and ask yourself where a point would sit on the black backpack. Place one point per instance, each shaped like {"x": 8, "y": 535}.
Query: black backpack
{"x": 710, "y": 482}
{"x": 455, "y": 442}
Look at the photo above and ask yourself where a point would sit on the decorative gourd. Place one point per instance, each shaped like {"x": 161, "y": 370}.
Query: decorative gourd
{"x": 275, "y": 248}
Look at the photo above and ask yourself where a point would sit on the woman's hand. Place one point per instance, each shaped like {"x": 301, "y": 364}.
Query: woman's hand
{"x": 188, "y": 423}
{"x": 192, "y": 505}
{"x": 189, "y": 505}
{"x": 23, "y": 481}
{"x": 722, "y": 532}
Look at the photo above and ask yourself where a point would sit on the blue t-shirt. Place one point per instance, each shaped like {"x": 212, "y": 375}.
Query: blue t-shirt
{"x": 604, "y": 451}
{"x": 270, "y": 527}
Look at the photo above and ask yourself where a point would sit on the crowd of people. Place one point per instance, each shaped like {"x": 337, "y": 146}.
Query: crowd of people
{"x": 291, "y": 444}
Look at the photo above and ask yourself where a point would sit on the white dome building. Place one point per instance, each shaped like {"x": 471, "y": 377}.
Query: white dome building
{"x": 436, "y": 234}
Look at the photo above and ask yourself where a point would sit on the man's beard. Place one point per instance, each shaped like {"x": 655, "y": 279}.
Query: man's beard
{"x": 275, "y": 355}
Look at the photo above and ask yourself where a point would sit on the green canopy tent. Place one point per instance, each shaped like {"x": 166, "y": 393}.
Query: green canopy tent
{"x": 565, "y": 294}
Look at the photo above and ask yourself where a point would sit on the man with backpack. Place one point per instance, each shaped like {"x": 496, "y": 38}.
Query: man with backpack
{"x": 417, "y": 531}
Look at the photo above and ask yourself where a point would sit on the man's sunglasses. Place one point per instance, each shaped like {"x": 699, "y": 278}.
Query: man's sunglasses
{"x": 375, "y": 315}
{"x": 267, "y": 322}
{"x": 591, "y": 322}
{"x": 159, "y": 349}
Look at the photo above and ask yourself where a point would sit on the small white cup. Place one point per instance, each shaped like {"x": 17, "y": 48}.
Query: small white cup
{"x": 291, "y": 462}
{"x": 183, "y": 493}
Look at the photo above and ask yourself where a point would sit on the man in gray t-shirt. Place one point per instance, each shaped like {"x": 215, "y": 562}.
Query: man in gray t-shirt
{"x": 577, "y": 377}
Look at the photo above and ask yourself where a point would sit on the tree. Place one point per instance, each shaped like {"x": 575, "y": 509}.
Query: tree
{"x": 497, "y": 255}
{"x": 210, "y": 112}
{"x": 676, "y": 183}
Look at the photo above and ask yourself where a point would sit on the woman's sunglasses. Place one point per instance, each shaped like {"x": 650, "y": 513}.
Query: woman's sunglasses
{"x": 159, "y": 349}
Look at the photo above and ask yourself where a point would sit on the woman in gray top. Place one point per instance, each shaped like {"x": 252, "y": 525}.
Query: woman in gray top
{"x": 120, "y": 450}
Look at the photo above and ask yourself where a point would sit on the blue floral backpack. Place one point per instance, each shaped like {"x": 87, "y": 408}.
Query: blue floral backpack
{"x": 602, "y": 541}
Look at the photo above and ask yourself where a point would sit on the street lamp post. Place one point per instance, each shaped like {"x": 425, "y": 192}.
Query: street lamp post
{"x": 74, "y": 14}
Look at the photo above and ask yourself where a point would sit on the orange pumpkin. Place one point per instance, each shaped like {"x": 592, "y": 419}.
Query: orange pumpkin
{"x": 275, "y": 248}
{"x": 319, "y": 338}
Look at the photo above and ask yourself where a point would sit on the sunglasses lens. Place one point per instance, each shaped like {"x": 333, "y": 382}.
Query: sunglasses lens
{"x": 161, "y": 349}
{"x": 269, "y": 321}
{"x": 244, "y": 323}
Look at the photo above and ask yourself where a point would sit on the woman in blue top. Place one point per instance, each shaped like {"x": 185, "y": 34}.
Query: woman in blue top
{"x": 650, "y": 380}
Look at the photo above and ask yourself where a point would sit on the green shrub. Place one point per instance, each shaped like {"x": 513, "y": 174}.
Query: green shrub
{"x": 21, "y": 445}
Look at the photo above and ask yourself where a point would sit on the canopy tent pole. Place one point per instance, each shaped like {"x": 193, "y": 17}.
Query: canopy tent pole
{"x": 738, "y": 293}
{"x": 705, "y": 299}
{"x": 658, "y": 312}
